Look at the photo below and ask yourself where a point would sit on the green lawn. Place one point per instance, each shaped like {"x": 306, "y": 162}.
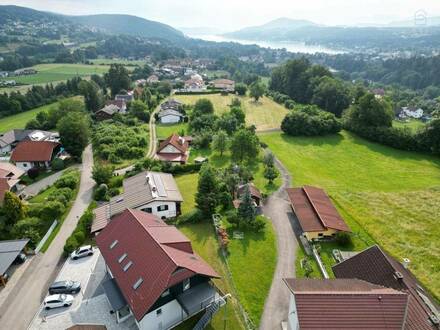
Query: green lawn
{"x": 57, "y": 72}
{"x": 412, "y": 124}
{"x": 163, "y": 131}
{"x": 20, "y": 120}
{"x": 264, "y": 114}
{"x": 252, "y": 260}
{"x": 386, "y": 195}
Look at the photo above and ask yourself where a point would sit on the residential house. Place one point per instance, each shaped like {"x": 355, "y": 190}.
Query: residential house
{"x": 9, "y": 140}
{"x": 4, "y": 74}
{"x": 344, "y": 304}
{"x": 119, "y": 103}
{"x": 171, "y": 104}
{"x": 24, "y": 72}
{"x": 255, "y": 194}
{"x": 151, "y": 192}
{"x": 9, "y": 179}
{"x": 193, "y": 85}
{"x": 153, "y": 79}
{"x": 378, "y": 93}
{"x": 316, "y": 213}
{"x": 224, "y": 84}
{"x": 125, "y": 97}
{"x": 410, "y": 112}
{"x": 107, "y": 112}
{"x": 170, "y": 116}
{"x": 29, "y": 154}
{"x": 174, "y": 149}
{"x": 155, "y": 276}
{"x": 377, "y": 267}
{"x": 140, "y": 82}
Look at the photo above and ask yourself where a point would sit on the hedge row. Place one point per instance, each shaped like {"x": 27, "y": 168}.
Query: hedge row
{"x": 199, "y": 93}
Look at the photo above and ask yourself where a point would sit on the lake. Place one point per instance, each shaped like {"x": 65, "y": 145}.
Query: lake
{"x": 294, "y": 47}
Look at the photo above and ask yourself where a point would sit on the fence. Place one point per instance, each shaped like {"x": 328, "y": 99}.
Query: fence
{"x": 46, "y": 236}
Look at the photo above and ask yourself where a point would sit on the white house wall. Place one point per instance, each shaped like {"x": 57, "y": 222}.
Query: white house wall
{"x": 293, "y": 315}
{"x": 170, "y": 213}
{"x": 170, "y": 119}
{"x": 169, "y": 149}
{"x": 171, "y": 314}
{"x": 25, "y": 166}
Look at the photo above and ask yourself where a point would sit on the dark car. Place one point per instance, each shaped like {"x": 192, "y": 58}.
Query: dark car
{"x": 65, "y": 287}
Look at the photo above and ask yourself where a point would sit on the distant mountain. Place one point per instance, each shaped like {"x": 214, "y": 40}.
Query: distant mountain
{"x": 113, "y": 24}
{"x": 131, "y": 25}
{"x": 279, "y": 27}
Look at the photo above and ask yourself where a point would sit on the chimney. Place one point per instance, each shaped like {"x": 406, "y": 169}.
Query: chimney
{"x": 405, "y": 263}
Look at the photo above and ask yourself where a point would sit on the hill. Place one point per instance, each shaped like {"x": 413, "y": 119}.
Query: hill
{"x": 279, "y": 27}
{"x": 130, "y": 25}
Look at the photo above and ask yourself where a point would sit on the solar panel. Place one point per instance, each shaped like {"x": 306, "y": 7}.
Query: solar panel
{"x": 159, "y": 185}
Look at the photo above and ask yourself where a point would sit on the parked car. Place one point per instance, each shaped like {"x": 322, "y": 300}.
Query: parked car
{"x": 58, "y": 300}
{"x": 21, "y": 258}
{"x": 81, "y": 252}
{"x": 65, "y": 287}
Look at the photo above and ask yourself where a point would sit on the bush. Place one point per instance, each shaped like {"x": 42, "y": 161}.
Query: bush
{"x": 193, "y": 216}
{"x": 67, "y": 180}
{"x": 81, "y": 231}
{"x": 343, "y": 239}
{"x": 57, "y": 164}
{"x": 80, "y": 237}
{"x": 70, "y": 246}
{"x": 52, "y": 210}
{"x": 101, "y": 193}
{"x": 33, "y": 173}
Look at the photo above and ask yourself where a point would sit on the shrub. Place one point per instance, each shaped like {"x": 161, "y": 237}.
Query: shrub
{"x": 116, "y": 181}
{"x": 80, "y": 237}
{"x": 70, "y": 246}
{"x": 57, "y": 164}
{"x": 101, "y": 193}
{"x": 52, "y": 210}
{"x": 343, "y": 239}
{"x": 33, "y": 173}
{"x": 193, "y": 216}
{"x": 259, "y": 224}
{"x": 67, "y": 180}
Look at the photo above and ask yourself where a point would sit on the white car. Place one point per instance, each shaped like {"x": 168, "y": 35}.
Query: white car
{"x": 58, "y": 300}
{"x": 81, "y": 252}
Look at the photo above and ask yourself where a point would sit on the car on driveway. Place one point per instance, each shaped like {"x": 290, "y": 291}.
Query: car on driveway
{"x": 81, "y": 252}
{"x": 58, "y": 300}
{"x": 65, "y": 287}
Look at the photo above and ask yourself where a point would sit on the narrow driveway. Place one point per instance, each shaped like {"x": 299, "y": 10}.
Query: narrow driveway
{"x": 25, "y": 299}
{"x": 34, "y": 188}
{"x": 277, "y": 208}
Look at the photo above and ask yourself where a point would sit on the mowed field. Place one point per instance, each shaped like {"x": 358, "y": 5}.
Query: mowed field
{"x": 20, "y": 120}
{"x": 393, "y": 195}
{"x": 264, "y": 114}
{"x": 59, "y": 72}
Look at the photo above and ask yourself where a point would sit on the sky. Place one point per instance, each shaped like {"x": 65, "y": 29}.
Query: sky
{"x": 229, "y": 15}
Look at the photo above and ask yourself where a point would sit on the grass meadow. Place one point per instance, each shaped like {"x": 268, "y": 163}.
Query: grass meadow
{"x": 387, "y": 196}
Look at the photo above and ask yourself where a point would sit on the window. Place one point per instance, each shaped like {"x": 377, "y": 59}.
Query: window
{"x": 24, "y": 165}
{"x": 115, "y": 242}
{"x": 148, "y": 210}
{"x": 320, "y": 234}
{"x": 128, "y": 265}
{"x": 165, "y": 293}
{"x": 121, "y": 258}
{"x": 159, "y": 312}
{"x": 138, "y": 283}
{"x": 161, "y": 208}
{"x": 186, "y": 284}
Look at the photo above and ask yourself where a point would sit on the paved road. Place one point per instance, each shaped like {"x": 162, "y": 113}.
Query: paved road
{"x": 34, "y": 188}
{"x": 277, "y": 208}
{"x": 24, "y": 301}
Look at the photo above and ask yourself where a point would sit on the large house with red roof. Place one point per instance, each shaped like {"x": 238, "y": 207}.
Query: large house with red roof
{"x": 174, "y": 149}
{"x": 316, "y": 213}
{"x": 155, "y": 276}
{"x": 29, "y": 154}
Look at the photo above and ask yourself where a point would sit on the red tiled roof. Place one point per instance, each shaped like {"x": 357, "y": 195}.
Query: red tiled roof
{"x": 33, "y": 151}
{"x": 175, "y": 141}
{"x": 156, "y": 251}
{"x": 314, "y": 210}
{"x": 252, "y": 189}
{"x": 347, "y": 304}
{"x": 377, "y": 267}
{"x": 119, "y": 103}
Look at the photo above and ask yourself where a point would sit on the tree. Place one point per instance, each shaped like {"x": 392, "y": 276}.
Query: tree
{"x": 102, "y": 173}
{"x": 117, "y": 78}
{"x": 206, "y": 196}
{"x": 220, "y": 142}
{"x": 270, "y": 173}
{"x": 241, "y": 89}
{"x": 93, "y": 98}
{"x": 244, "y": 145}
{"x": 74, "y": 130}
{"x": 246, "y": 211}
{"x": 139, "y": 110}
{"x": 256, "y": 90}
{"x": 269, "y": 159}
{"x": 331, "y": 95}
{"x": 370, "y": 112}
{"x": 239, "y": 115}
{"x": 13, "y": 208}
{"x": 203, "y": 107}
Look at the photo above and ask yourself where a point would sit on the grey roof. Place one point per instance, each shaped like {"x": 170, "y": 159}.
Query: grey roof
{"x": 169, "y": 112}
{"x": 18, "y": 135}
{"x": 138, "y": 191}
{"x": 9, "y": 250}
{"x": 110, "y": 109}
{"x": 114, "y": 294}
